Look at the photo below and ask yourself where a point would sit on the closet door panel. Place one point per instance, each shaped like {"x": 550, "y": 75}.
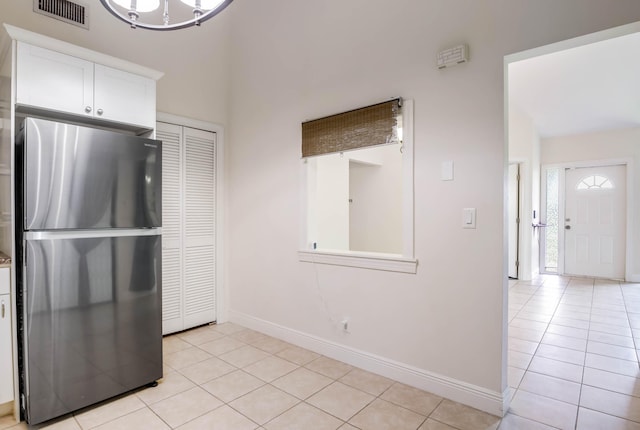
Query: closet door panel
{"x": 172, "y": 267}
{"x": 172, "y": 308}
{"x": 199, "y": 227}
{"x": 200, "y": 303}
{"x": 171, "y": 136}
{"x": 200, "y": 188}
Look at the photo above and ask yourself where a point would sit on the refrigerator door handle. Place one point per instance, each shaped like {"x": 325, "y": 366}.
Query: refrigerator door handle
{"x": 77, "y": 234}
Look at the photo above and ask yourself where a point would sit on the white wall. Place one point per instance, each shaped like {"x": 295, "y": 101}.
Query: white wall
{"x": 372, "y": 177}
{"x": 195, "y": 61}
{"x": 6, "y": 240}
{"x": 606, "y": 145}
{"x": 524, "y": 148}
{"x": 331, "y": 202}
{"x": 375, "y": 209}
{"x": 292, "y": 60}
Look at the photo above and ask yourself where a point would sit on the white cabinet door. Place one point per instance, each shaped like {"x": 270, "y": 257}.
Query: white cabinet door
{"x": 6, "y": 362}
{"x": 60, "y": 82}
{"x": 124, "y": 97}
{"x": 188, "y": 227}
{"x": 55, "y": 81}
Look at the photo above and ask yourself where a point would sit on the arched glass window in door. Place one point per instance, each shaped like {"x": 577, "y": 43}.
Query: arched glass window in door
{"x": 594, "y": 182}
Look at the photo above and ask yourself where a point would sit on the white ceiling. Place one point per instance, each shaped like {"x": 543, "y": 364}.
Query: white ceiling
{"x": 580, "y": 90}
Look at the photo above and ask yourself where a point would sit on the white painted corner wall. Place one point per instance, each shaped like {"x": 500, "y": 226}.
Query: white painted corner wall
{"x": 444, "y": 326}
{"x": 262, "y": 68}
{"x": 524, "y": 149}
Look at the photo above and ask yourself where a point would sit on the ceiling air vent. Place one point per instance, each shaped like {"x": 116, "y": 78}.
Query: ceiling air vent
{"x": 64, "y": 10}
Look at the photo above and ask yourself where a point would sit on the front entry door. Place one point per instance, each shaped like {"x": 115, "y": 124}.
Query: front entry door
{"x": 595, "y": 221}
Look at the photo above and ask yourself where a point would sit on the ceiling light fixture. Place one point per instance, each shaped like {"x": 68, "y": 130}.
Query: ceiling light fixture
{"x": 131, "y": 12}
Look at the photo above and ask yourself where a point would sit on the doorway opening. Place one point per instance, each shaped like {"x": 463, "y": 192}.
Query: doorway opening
{"x": 570, "y": 105}
{"x": 570, "y": 110}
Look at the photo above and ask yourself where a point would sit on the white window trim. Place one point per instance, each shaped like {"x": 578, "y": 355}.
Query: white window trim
{"x": 375, "y": 261}
{"x": 405, "y": 263}
{"x": 607, "y": 184}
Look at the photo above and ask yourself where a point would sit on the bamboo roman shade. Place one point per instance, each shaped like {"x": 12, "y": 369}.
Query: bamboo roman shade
{"x": 368, "y": 126}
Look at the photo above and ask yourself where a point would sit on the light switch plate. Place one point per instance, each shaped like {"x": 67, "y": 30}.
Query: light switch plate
{"x": 469, "y": 218}
{"x": 446, "y": 171}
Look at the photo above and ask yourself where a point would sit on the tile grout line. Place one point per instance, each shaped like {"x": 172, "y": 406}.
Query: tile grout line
{"x": 536, "y": 351}
{"x": 334, "y": 380}
{"x": 583, "y": 365}
{"x": 633, "y": 339}
{"x": 300, "y": 401}
{"x": 535, "y": 295}
{"x": 585, "y": 361}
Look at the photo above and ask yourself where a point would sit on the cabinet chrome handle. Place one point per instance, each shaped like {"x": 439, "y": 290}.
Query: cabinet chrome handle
{"x": 87, "y": 109}
{"x": 100, "y": 111}
{"x": 3, "y": 309}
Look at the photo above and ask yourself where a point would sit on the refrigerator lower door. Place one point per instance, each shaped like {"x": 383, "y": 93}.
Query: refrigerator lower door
{"x": 92, "y": 319}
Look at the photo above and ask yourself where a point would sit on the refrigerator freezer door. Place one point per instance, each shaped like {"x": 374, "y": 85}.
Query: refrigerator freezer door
{"x": 83, "y": 178}
{"x": 92, "y": 320}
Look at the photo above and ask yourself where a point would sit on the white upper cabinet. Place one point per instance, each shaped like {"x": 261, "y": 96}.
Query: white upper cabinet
{"x": 124, "y": 97}
{"x": 54, "y": 81}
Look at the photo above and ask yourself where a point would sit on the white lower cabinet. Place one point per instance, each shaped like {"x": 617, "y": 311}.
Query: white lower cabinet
{"x": 6, "y": 354}
{"x": 188, "y": 226}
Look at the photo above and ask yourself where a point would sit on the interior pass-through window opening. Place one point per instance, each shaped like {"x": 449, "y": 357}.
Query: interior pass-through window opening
{"x": 355, "y": 190}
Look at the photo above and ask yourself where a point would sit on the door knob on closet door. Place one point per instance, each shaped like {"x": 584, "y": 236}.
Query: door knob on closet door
{"x": 87, "y": 109}
{"x": 100, "y": 111}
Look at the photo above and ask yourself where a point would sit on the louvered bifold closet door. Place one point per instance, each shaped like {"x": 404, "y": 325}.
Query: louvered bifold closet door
{"x": 200, "y": 227}
{"x": 172, "y": 295}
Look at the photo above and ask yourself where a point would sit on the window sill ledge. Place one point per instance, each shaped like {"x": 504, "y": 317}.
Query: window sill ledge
{"x": 386, "y": 262}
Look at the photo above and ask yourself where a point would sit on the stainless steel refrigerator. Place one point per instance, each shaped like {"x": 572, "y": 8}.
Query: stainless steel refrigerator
{"x": 89, "y": 265}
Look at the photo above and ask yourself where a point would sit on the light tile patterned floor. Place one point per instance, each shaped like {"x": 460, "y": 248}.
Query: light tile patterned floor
{"x": 573, "y": 364}
{"x": 574, "y": 345}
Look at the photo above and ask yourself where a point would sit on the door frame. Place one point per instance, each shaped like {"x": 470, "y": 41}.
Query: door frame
{"x": 554, "y": 47}
{"x": 629, "y": 224}
{"x": 518, "y": 239}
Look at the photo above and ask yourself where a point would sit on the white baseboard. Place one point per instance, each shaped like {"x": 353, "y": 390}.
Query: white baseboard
{"x": 6, "y": 408}
{"x": 480, "y": 398}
